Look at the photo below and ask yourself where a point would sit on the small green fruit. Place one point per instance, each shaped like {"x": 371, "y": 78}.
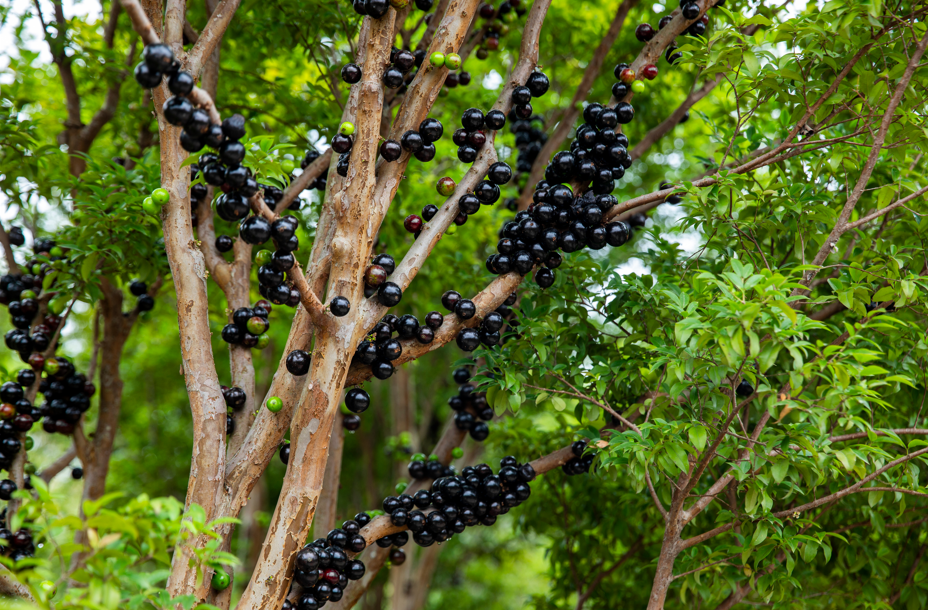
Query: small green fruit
{"x": 263, "y": 257}
{"x": 433, "y": 457}
{"x": 51, "y": 366}
{"x": 257, "y": 325}
{"x": 221, "y": 579}
{"x": 288, "y": 165}
{"x": 274, "y": 404}
{"x": 29, "y": 468}
{"x": 457, "y": 453}
{"x": 150, "y": 206}
{"x": 346, "y": 128}
{"x": 453, "y": 61}
{"x": 160, "y": 196}
{"x": 56, "y": 251}
{"x": 48, "y": 588}
{"x": 638, "y": 86}
{"x": 28, "y": 294}
{"x": 263, "y": 341}
{"x": 418, "y": 457}
{"x": 437, "y": 59}
{"x": 36, "y": 269}
{"x": 30, "y": 443}
{"x": 401, "y": 487}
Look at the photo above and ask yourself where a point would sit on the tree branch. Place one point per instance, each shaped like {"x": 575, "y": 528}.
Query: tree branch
{"x": 211, "y": 35}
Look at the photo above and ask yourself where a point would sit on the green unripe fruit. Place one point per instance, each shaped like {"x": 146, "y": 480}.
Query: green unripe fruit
{"x": 30, "y": 443}
{"x": 51, "y": 366}
{"x": 56, "y": 251}
{"x": 437, "y": 59}
{"x": 57, "y": 306}
{"x": 274, "y": 404}
{"x": 418, "y": 457}
{"x": 453, "y": 61}
{"x": 29, "y": 468}
{"x": 638, "y": 86}
{"x": 36, "y": 269}
{"x": 149, "y": 206}
{"x": 48, "y": 588}
{"x": 160, "y": 196}
{"x": 257, "y": 325}
{"x": 446, "y": 186}
{"x": 346, "y": 128}
{"x": 263, "y": 341}
{"x": 433, "y": 457}
{"x": 263, "y": 257}
{"x": 221, "y": 579}
{"x": 288, "y": 165}
{"x": 28, "y": 294}
{"x": 457, "y": 453}
{"x": 401, "y": 487}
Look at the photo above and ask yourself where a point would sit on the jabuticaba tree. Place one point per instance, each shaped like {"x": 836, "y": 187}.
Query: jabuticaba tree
{"x": 499, "y": 304}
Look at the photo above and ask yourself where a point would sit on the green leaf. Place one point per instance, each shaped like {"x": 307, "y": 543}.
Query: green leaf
{"x": 760, "y": 534}
{"x": 779, "y": 470}
{"x": 698, "y": 436}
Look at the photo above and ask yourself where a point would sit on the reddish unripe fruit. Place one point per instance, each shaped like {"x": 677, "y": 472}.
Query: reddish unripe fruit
{"x": 23, "y": 422}
{"x": 375, "y": 276}
{"x": 705, "y": 19}
{"x": 446, "y": 186}
{"x": 412, "y": 223}
{"x": 649, "y": 72}
{"x": 331, "y": 576}
{"x": 644, "y": 32}
{"x": 487, "y": 11}
{"x": 265, "y": 305}
{"x": 460, "y": 219}
{"x": 627, "y": 76}
{"x": 37, "y": 361}
{"x": 491, "y": 43}
{"x": 7, "y": 411}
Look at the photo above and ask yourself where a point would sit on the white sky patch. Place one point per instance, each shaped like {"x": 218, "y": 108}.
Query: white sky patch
{"x": 492, "y": 81}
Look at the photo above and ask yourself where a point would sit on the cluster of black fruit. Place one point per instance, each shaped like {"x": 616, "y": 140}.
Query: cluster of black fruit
{"x": 421, "y": 143}
{"x": 15, "y": 545}
{"x": 249, "y": 326}
{"x": 536, "y": 86}
{"x": 469, "y": 339}
{"x": 144, "y": 301}
{"x": 556, "y": 221}
{"x": 357, "y": 401}
{"x": 494, "y": 25}
{"x": 158, "y": 61}
{"x": 476, "y": 496}
{"x": 529, "y": 140}
{"x": 380, "y": 349}
{"x": 323, "y": 569}
{"x": 471, "y": 137}
{"x": 379, "y": 8}
{"x": 580, "y": 463}
{"x": 234, "y": 398}
{"x": 272, "y": 281}
{"x": 24, "y": 288}
{"x": 317, "y": 184}
{"x": 471, "y": 411}
{"x": 400, "y": 70}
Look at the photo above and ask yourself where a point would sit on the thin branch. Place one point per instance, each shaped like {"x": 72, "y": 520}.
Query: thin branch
{"x": 211, "y": 35}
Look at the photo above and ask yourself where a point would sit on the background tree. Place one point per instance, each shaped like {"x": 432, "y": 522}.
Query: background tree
{"x": 746, "y": 373}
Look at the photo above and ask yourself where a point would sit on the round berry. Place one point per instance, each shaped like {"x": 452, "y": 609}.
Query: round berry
{"x": 274, "y": 404}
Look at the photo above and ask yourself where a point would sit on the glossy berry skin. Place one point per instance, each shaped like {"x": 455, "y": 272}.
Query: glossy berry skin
{"x": 412, "y": 141}
{"x": 382, "y": 370}
{"x": 495, "y": 119}
{"x": 499, "y": 173}
{"x": 341, "y": 143}
{"x": 690, "y": 10}
{"x": 449, "y": 299}
{"x": 357, "y": 400}
{"x": 298, "y": 362}
{"x": 429, "y": 211}
{"x": 625, "y": 112}
{"x": 375, "y": 276}
{"x": 177, "y": 110}
{"x": 146, "y": 77}
{"x": 544, "y": 278}
{"x": 649, "y": 72}
{"x": 391, "y": 150}
{"x": 472, "y": 119}
{"x": 431, "y": 130}
{"x": 434, "y": 320}
{"x": 744, "y": 389}
{"x": 351, "y": 73}
{"x": 538, "y": 84}
{"x": 468, "y": 339}
{"x": 7, "y": 487}
{"x": 465, "y": 309}
{"x": 644, "y": 32}
{"x": 351, "y": 422}
{"x": 339, "y": 306}
{"x": 389, "y": 294}
{"x": 158, "y": 57}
